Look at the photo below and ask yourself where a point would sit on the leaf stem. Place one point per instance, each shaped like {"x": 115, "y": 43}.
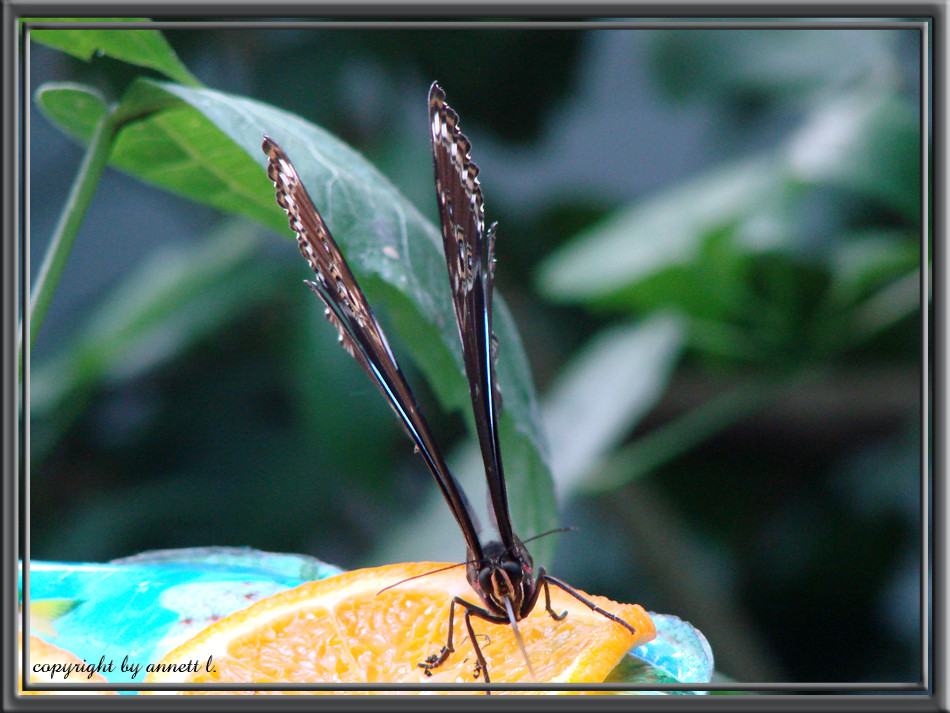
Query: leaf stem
{"x": 80, "y": 197}
{"x": 669, "y": 441}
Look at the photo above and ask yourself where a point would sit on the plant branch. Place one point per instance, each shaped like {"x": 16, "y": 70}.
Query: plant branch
{"x": 669, "y": 441}
{"x": 80, "y": 197}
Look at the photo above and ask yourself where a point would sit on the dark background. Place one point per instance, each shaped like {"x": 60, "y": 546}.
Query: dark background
{"x": 767, "y": 487}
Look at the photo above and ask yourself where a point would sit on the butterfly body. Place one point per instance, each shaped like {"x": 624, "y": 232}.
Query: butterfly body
{"x": 500, "y": 571}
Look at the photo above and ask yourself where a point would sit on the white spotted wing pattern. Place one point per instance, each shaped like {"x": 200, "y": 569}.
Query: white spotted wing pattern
{"x": 500, "y": 570}
{"x": 360, "y": 333}
{"x": 469, "y": 256}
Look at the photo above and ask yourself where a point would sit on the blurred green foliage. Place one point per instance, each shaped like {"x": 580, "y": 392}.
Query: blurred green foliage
{"x": 727, "y": 340}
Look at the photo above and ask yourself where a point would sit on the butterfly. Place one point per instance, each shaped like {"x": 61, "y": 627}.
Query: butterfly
{"x": 500, "y": 570}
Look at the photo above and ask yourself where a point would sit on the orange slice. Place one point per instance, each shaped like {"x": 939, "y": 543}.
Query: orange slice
{"x": 49, "y": 664}
{"x": 343, "y": 629}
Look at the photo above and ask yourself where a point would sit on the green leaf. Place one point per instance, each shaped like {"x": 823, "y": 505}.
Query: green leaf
{"x": 657, "y": 251}
{"x": 169, "y": 144}
{"x": 205, "y": 145}
{"x": 769, "y": 65}
{"x": 145, "y": 48}
{"x": 175, "y": 296}
{"x": 608, "y": 386}
{"x": 75, "y": 108}
{"x": 662, "y": 234}
{"x": 867, "y": 143}
{"x": 870, "y": 259}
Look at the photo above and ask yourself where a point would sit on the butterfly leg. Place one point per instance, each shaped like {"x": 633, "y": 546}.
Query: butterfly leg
{"x": 482, "y": 665}
{"x": 436, "y": 660}
{"x": 579, "y": 597}
{"x": 542, "y": 583}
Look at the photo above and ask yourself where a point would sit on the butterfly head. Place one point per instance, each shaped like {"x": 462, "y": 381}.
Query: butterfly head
{"x": 503, "y": 574}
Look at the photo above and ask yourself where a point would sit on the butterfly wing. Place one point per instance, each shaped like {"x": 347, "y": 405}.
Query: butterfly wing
{"x": 360, "y": 333}
{"x": 469, "y": 255}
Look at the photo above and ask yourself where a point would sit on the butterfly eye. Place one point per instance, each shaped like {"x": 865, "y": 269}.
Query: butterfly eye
{"x": 484, "y": 579}
{"x": 513, "y": 569}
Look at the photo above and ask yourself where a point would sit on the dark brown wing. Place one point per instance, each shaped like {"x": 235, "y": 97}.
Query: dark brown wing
{"x": 469, "y": 255}
{"x": 359, "y": 331}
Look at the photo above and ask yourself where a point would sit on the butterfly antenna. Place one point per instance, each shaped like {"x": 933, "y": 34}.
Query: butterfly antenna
{"x": 569, "y": 528}
{"x": 424, "y": 574}
{"x": 514, "y": 628}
